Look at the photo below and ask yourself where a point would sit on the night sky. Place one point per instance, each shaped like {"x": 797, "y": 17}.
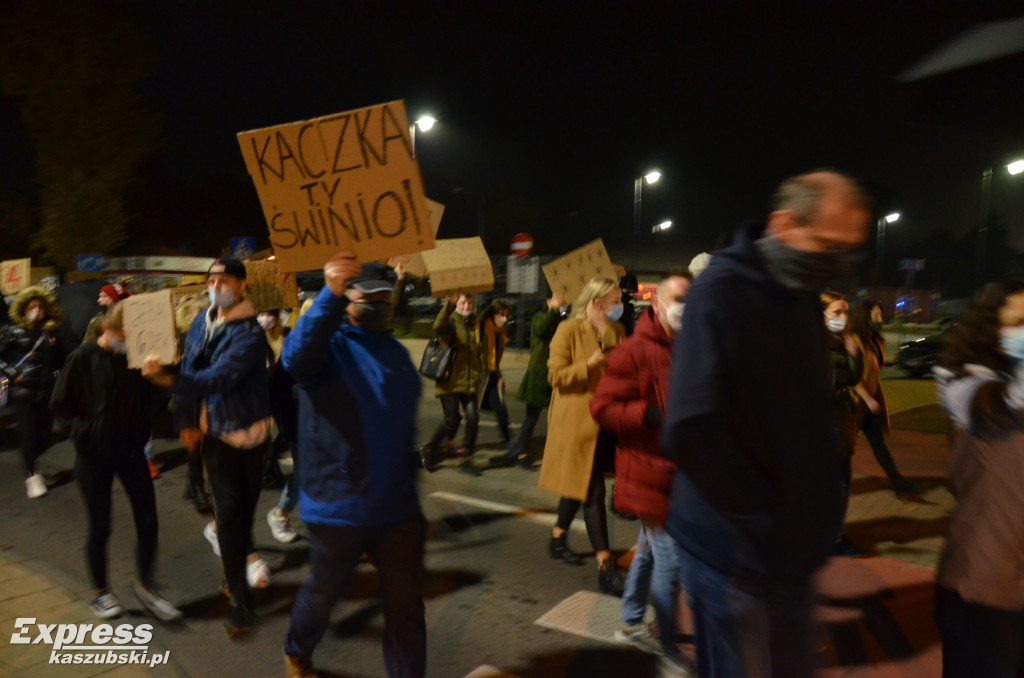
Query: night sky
{"x": 551, "y": 109}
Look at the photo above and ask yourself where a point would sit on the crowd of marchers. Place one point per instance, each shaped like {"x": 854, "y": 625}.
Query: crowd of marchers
{"x": 728, "y": 415}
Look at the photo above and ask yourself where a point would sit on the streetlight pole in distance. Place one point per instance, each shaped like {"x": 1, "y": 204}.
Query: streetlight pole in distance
{"x": 1013, "y": 169}
{"x": 638, "y": 187}
{"x": 890, "y": 218}
{"x": 424, "y": 123}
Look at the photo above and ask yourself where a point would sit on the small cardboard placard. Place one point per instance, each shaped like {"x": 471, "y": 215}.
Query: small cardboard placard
{"x": 149, "y": 328}
{"x": 268, "y": 288}
{"x": 15, "y": 275}
{"x": 568, "y": 275}
{"x": 413, "y": 263}
{"x": 458, "y": 265}
{"x": 346, "y": 181}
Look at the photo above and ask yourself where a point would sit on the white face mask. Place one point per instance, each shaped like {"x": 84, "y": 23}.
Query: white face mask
{"x": 836, "y": 325}
{"x": 1011, "y": 340}
{"x": 224, "y": 299}
{"x": 499, "y": 320}
{"x": 674, "y": 315}
{"x": 465, "y": 313}
{"x": 117, "y": 345}
{"x": 35, "y": 315}
{"x": 266, "y": 321}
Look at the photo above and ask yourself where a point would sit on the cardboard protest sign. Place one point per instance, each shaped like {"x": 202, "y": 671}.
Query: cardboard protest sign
{"x": 185, "y": 293}
{"x": 458, "y": 265}
{"x": 15, "y": 275}
{"x": 568, "y": 275}
{"x": 149, "y": 328}
{"x": 268, "y": 288}
{"x": 413, "y": 263}
{"x": 347, "y": 181}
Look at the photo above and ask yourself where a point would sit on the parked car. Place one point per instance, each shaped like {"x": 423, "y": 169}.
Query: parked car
{"x": 918, "y": 356}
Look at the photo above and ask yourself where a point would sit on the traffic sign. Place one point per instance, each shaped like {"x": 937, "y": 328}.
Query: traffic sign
{"x": 522, "y": 245}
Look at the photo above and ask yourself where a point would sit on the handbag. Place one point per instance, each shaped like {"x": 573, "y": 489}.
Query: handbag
{"x": 438, "y": 360}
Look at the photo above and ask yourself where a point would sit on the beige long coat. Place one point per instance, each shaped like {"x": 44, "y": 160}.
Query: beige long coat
{"x": 572, "y": 432}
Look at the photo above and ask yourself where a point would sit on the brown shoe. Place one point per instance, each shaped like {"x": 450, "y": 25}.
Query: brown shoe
{"x": 298, "y": 668}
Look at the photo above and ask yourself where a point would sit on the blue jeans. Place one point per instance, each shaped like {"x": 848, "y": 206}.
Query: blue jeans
{"x": 749, "y": 629}
{"x": 653, "y": 573}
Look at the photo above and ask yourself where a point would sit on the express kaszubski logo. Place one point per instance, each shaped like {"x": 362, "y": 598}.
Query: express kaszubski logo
{"x": 90, "y": 643}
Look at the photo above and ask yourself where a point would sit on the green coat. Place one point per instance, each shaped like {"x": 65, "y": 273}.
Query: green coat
{"x": 534, "y": 389}
{"x": 454, "y": 330}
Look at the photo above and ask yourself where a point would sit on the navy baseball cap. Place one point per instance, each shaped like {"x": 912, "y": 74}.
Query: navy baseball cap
{"x": 373, "y": 277}
{"x": 231, "y": 266}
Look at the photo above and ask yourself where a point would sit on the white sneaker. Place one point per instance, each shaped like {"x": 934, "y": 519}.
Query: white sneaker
{"x": 35, "y": 486}
{"x": 105, "y": 606}
{"x": 639, "y": 636}
{"x": 211, "y": 537}
{"x": 280, "y": 526}
{"x": 258, "y": 574}
{"x": 156, "y": 604}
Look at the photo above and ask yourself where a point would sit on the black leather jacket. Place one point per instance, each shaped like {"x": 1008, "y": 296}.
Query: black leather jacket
{"x": 39, "y": 361}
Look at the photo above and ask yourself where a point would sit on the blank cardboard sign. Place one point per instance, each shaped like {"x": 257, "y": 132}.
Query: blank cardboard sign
{"x": 568, "y": 275}
{"x": 268, "y": 288}
{"x": 458, "y": 265}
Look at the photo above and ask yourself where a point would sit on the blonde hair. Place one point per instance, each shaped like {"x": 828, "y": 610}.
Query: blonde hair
{"x": 597, "y": 288}
{"x": 829, "y": 297}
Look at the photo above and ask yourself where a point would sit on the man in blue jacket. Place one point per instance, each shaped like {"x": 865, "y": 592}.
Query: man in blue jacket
{"x": 357, "y": 410}
{"x": 222, "y": 402}
{"x": 755, "y": 502}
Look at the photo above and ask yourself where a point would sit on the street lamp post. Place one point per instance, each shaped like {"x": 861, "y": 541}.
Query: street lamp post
{"x": 424, "y": 123}
{"x": 882, "y": 221}
{"x": 1013, "y": 169}
{"x": 638, "y": 185}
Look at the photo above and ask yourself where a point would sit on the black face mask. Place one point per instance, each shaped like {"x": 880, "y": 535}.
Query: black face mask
{"x": 374, "y": 317}
{"x": 805, "y": 270}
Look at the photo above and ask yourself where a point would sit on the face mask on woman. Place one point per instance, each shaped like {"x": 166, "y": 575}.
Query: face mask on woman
{"x": 267, "y": 321}
{"x": 118, "y": 346}
{"x": 1011, "y": 340}
{"x": 614, "y": 312}
{"x": 836, "y": 325}
{"x": 35, "y": 315}
{"x": 464, "y": 312}
{"x": 500, "y": 320}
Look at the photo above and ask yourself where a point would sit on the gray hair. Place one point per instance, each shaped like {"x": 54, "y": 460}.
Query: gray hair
{"x": 801, "y": 194}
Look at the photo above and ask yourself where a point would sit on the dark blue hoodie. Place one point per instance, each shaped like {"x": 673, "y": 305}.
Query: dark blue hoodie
{"x": 750, "y": 424}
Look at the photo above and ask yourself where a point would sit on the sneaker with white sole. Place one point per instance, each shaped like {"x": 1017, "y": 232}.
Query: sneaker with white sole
{"x": 211, "y": 536}
{"x": 105, "y": 606}
{"x": 156, "y": 604}
{"x": 639, "y": 636}
{"x": 258, "y": 574}
{"x": 35, "y": 486}
{"x": 280, "y": 526}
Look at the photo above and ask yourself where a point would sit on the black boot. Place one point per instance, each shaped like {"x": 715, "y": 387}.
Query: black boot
{"x": 559, "y": 550}
{"x": 610, "y": 578}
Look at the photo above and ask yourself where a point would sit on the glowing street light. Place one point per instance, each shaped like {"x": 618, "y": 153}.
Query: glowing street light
{"x": 638, "y": 185}
{"x": 1015, "y": 167}
{"x": 424, "y": 123}
{"x": 663, "y": 226}
{"x": 890, "y": 218}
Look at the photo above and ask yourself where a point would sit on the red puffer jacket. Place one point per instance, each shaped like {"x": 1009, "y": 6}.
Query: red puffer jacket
{"x": 637, "y": 376}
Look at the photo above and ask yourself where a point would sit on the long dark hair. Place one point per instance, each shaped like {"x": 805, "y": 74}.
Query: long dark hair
{"x": 870, "y": 337}
{"x": 975, "y": 339}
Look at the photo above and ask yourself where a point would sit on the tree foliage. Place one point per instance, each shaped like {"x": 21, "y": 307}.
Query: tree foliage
{"x": 74, "y": 70}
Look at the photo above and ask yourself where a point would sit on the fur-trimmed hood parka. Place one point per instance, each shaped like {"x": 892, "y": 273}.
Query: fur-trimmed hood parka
{"x": 30, "y": 355}
{"x": 54, "y": 316}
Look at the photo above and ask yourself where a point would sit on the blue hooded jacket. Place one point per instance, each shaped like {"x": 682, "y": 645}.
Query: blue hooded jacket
{"x": 358, "y": 394}
{"x": 228, "y": 373}
{"x": 750, "y": 424}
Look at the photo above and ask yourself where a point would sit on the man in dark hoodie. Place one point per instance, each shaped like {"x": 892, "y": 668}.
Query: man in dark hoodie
{"x": 755, "y": 507}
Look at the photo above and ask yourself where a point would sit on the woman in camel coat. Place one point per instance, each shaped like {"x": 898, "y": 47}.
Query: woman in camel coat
{"x": 576, "y": 454}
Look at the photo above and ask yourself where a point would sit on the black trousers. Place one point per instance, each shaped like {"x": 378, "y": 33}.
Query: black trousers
{"x": 397, "y": 553}
{"x": 450, "y": 405}
{"x": 235, "y": 480}
{"x": 526, "y": 430}
{"x": 978, "y": 641}
{"x": 872, "y": 428}
{"x": 94, "y": 473}
{"x": 492, "y": 400}
{"x": 595, "y": 515}
{"x": 35, "y": 425}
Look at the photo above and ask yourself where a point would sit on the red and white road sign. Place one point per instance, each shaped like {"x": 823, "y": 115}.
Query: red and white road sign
{"x": 522, "y": 245}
